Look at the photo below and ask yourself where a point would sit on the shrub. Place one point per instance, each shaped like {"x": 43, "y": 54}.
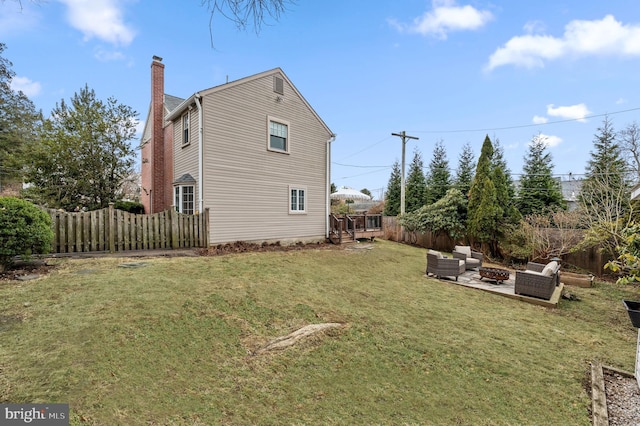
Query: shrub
{"x": 129, "y": 206}
{"x": 25, "y": 229}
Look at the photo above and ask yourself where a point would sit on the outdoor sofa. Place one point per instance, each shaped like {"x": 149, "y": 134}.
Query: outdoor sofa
{"x": 441, "y": 266}
{"x": 538, "y": 280}
{"x": 472, "y": 259}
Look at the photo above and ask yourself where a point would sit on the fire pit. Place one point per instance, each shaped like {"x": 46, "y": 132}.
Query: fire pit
{"x": 496, "y": 274}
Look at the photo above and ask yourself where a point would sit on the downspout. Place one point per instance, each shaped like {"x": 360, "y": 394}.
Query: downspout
{"x": 328, "y": 174}
{"x": 200, "y": 154}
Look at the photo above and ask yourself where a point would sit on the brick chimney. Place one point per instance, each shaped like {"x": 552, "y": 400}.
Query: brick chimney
{"x": 157, "y": 137}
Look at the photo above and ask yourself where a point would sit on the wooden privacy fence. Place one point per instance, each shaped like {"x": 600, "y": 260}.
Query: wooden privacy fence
{"x": 591, "y": 259}
{"x": 114, "y": 230}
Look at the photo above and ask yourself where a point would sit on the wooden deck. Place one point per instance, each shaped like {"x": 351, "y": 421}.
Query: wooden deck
{"x": 352, "y": 227}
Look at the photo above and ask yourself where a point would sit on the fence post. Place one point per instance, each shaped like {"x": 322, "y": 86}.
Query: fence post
{"x": 111, "y": 228}
{"x": 174, "y": 230}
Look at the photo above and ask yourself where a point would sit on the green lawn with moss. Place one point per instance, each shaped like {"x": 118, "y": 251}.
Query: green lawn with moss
{"x": 171, "y": 342}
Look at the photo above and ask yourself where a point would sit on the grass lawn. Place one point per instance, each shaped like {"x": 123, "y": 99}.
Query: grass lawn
{"x": 170, "y": 343}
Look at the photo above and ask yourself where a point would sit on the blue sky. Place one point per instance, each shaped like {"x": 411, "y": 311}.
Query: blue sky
{"x": 439, "y": 69}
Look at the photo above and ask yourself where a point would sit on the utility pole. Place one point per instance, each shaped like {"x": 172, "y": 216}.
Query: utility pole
{"x": 404, "y": 137}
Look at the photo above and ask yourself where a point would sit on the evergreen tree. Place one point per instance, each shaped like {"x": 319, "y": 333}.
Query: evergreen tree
{"x": 19, "y": 122}
{"x": 438, "y": 176}
{"x": 539, "y": 191}
{"x": 605, "y": 193}
{"x": 84, "y": 153}
{"x": 392, "y": 195}
{"x": 464, "y": 174}
{"x": 484, "y": 212}
{"x": 505, "y": 190}
{"x": 415, "y": 184}
{"x": 447, "y": 216}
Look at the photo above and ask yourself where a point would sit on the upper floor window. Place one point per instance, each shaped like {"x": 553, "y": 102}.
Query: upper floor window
{"x": 185, "y": 129}
{"x": 278, "y": 135}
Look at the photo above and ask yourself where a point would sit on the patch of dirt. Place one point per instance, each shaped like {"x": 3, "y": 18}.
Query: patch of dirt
{"x": 291, "y": 339}
{"x": 22, "y": 269}
{"x": 244, "y": 247}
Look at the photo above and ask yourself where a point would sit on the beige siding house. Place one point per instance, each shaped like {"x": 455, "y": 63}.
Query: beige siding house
{"x": 257, "y": 155}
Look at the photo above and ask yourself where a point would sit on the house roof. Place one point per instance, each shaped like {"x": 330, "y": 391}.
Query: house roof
{"x": 185, "y": 178}
{"x": 172, "y": 102}
{"x": 191, "y": 99}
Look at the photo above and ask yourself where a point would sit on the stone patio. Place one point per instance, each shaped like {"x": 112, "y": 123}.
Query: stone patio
{"x": 471, "y": 278}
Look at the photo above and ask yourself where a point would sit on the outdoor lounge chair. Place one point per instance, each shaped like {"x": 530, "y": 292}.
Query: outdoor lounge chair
{"x": 441, "y": 266}
{"x": 472, "y": 259}
{"x": 538, "y": 280}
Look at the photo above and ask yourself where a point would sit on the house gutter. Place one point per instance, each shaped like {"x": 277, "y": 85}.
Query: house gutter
{"x": 328, "y": 174}
{"x": 198, "y": 99}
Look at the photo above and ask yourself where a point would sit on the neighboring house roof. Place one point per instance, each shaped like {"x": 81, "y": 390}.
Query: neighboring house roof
{"x": 571, "y": 189}
{"x": 191, "y": 99}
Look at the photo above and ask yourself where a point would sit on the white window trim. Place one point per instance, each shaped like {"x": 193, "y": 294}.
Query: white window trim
{"x": 188, "y": 117}
{"x": 178, "y": 198}
{"x": 306, "y": 199}
{"x": 279, "y": 121}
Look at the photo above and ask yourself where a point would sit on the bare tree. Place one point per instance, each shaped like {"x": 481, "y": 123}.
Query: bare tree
{"x": 607, "y": 212}
{"x": 246, "y": 12}
{"x": 553, "y": 234}
{"x": 630, "y": 146}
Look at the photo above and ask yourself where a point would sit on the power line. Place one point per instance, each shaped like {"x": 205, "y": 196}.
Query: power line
{"x": 367, "y": 148}
{"x": 522, "y": 126}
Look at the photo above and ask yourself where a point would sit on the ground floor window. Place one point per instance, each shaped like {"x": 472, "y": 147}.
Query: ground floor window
{"x": 184, "y": 199}
{"x": 297, "y": 199}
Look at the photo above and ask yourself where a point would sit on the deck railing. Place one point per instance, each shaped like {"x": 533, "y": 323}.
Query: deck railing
{"x": 354, "y": 226}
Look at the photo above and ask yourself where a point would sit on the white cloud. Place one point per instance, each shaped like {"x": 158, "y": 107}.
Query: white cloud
{"x": 572, "y": 112}
{"x": 108, "y": 55}
{"x": 446, "y": 17}
{"x": 605, "y": 37}
{"x": 539, "y": 120}
{"x": 101, "y": 19}
{"x": 533, "y": 27}
{"x": 549, "y": 140}
{"x": 621, "y": 101}
{"x": 26, "y": 86}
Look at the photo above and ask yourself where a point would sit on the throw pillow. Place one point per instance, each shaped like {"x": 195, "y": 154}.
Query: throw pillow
{"x": 550, "y": 268}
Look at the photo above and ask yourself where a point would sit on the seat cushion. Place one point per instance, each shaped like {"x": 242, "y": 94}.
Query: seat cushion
{"x": 463, "y": 249}
{"x": 436, "y": 253}
{"x": 473, "y": 262}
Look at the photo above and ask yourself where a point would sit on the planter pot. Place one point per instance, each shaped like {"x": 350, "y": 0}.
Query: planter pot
{"x": 633, "y": 309}
{"x": 576, "y": 280}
